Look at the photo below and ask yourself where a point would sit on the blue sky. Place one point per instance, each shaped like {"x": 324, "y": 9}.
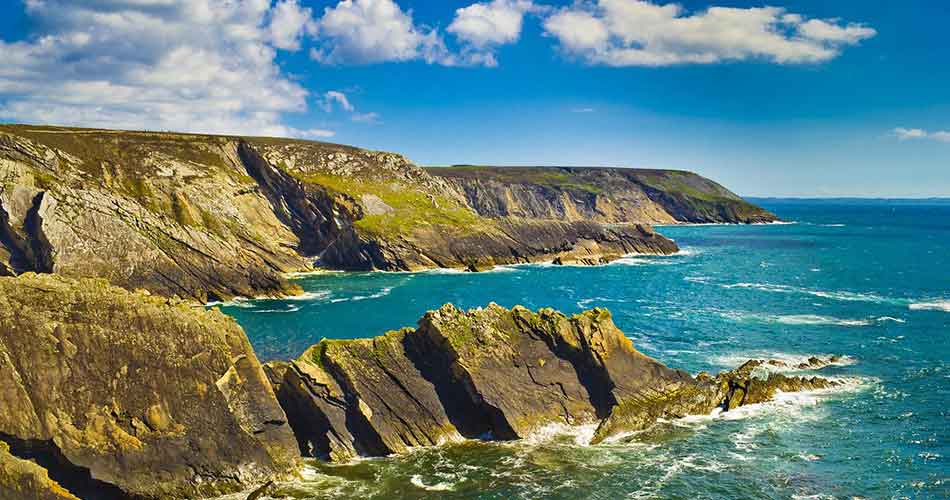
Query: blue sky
{"x": 781, "y": 98}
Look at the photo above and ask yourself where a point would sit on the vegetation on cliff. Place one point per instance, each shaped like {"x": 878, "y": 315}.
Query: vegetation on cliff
{"x": 212, "y": 217}
{"x": 603, "y": 194}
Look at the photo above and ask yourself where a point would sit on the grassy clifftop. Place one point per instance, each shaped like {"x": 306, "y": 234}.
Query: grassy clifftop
{"x": 613, "y": 194}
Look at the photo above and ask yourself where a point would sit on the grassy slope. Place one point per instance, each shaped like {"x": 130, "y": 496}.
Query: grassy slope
{"x": 699, "y": 193}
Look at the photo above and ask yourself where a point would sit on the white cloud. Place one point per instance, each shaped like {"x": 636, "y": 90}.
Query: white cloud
{"x": 336, "y": 97}
{"x": 289, "y": 22}
{"x": 640, "y": 33}
{"x": 583, "y": 110}
{"x": 378, "y": 31}
{"x": 370, "y": 117}
{"x": 189, "y": 65}
{"x": 817, "y": 29}
{"x": 494, "y": 23}
{"x": 907, "y": 134}
{"x": 368, "y": 31}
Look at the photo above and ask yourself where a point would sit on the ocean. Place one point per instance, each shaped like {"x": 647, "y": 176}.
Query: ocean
{"x": 866, "y": 280}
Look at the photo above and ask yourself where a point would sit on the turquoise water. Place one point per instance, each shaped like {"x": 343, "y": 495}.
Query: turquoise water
{"x": 869, "y": 281}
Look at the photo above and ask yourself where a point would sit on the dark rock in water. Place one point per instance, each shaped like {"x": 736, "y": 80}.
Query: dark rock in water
{"x": 500, "y": 373}
{"x": 121, "y": 394}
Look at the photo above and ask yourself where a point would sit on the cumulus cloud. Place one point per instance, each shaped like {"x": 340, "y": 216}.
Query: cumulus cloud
{"x": 378, "y": 31}
{"x": 368, "y": 31}
{"x": 907, "y": 134}
{"x": 289, "y": 22}
{"x": 641, "y": 33}
{"x": 190, "y": 65}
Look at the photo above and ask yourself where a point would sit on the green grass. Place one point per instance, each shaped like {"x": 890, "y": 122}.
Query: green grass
{"x": 543, "y": 176}
{"x": 412, "y": 208}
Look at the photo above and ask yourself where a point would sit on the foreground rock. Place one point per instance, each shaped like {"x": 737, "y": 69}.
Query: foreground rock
{"x": 119, "y": 394}
{"x": 496, "y": 373}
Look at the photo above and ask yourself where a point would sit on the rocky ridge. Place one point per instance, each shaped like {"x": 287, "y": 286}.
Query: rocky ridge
{"x": 608, "y": 195}
{"x": 111, "y": 394}
{"x": 212, "y": 217}
{"x": 499, "y": 373}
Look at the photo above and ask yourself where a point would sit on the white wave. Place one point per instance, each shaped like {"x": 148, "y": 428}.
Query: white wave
{"x": 307, "y": 296}
{"x": 697, "y": 279}
{"x": 443, "y": 270}
{"x": 882, "y": 319}
{"x": 795, "y": 319}
{"x": 580, "y": 434}
{"x": 790, "y": 360}
{"x": 835, "y": 295}
{"x": 938, "y": 305}
{"x": 290, "y": 309}
{"x": 382, "y": 293}
{"x": 417, "y": 481}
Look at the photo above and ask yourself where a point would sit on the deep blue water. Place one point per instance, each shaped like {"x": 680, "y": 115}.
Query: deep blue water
{"x": 868, "y": 280}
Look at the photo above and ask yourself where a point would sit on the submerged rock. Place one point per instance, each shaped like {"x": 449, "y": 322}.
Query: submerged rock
{"x": 496, "y": 373}
{"x": 121, "y": 394}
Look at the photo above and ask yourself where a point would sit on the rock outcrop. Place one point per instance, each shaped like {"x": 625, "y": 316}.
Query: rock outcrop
{"x": 610, "y": 195}
{"x": 121, "y": 394}
{"x": 496, "y": 373}
{"x": 212, "y": 217}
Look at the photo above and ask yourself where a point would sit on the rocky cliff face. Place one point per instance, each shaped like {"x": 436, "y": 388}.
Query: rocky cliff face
{"x": 610, "y": 195}
{"x": 212, "y": 217}
{"x": 496, "y": 373}
{"x": 120, "y": 395}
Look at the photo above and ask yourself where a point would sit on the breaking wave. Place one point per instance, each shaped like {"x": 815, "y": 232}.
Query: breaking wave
{"x": 939, "y": 305}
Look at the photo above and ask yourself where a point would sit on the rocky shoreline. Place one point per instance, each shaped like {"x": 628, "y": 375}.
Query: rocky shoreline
{"x": 116, "y": 384}
{"x": 118, "y": 394}
{"x": 214, "y": 217}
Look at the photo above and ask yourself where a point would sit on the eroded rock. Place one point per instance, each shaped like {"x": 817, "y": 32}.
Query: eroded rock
{"x": 144, "y": 396}
{"x": 497, "y": 373}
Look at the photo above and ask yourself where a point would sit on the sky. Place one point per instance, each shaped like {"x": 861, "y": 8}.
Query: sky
{"x": 774, "y": 98}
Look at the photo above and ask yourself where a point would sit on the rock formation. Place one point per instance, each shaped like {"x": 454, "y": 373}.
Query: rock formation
{"x": 496, "y": 373}
{"x": 212, "y": 217}
{"x": 609, "y": 195}
{"x": 120, "y": 394}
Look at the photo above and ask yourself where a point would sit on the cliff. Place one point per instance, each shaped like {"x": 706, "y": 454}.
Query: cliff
{"x": 212, "y": 217}
{"x": 609, "y": 195}
{"x": 113, "y": 394}
{"x": 495, "y": 372}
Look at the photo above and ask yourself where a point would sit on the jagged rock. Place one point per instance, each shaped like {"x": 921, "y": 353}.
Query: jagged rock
{"x": 500, "y": 373}
{"x": 134, "y": 395}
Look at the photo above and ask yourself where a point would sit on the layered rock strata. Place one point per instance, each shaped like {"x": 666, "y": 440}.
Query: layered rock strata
{"x": 496, "y": 373}
{"x": 119, "y": 394}
{"x": 608, "y": 195}
{"x": 213, "y": 217}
